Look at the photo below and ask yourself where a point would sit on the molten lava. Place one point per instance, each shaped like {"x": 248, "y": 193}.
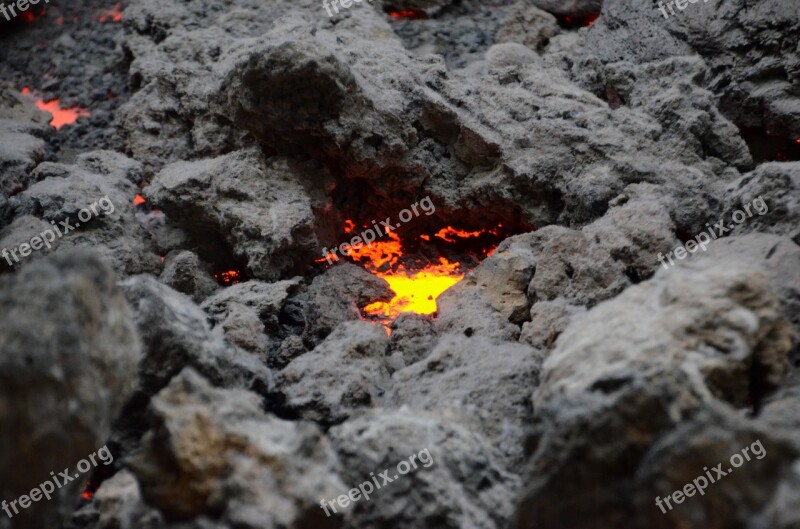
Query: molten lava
{"x": 112, "y": 15}
{"x": 61, "y": 116}
{"x": 138, "y": 200}
{"x": 577, "y": 21}
{"x": 229, "y": 277}
{"x": 407, "y": 14}
{"x": 415, "y": 279}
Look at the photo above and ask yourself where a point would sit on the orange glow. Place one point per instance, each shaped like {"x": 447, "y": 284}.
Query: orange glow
{"x": 450, "y": 234}
{"x": 349, "y": 226}
{"x": 797, "y": 140}
{"x": 112, "y": 15}
{"x": 61, "y": 116}
{"x": 87, "y": 494}
{"x": 408, "y": 14}
{"x": 415, "y": 291}
{"x": 415, "y": 280}
{"x": 138, "y": 200}
{"x": 230, "y": 277}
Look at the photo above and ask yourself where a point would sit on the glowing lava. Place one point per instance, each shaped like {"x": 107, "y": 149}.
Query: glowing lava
{"x": 407, "y": 14}
{"x": 112, "y": 15}
{"x": 61, "y": 116}
{"x": 229, "y": 277}
{"x": 138, "y": 200}
{"x": 415, "y": 280}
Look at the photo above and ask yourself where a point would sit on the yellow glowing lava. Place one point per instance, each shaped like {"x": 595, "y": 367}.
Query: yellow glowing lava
{"x": 415, "y": 281}
{"x": 415, "y": 291}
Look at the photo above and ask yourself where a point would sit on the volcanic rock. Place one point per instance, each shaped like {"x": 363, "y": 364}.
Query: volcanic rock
{"x": 251, "y": 314}
{"x": 338, "y": 296}
{"x": 751, "y": 63}
{"x": 486, "y": 385}
{"x": 104, "y": 180}
{"x": 63, "y": 377}
{"x": 412, "y": 339}
{"x": 345, "y": 373}
{"x": 777, "y": 186}
{"x": 470, "y": 486}
{"x": 701, "y": 335}
{"x": 176, "y": 334}
{"x": 242, "y": 205}
{"x": 215, "y": 453}
{"x": 184, "y": 272}
{"x": 22, "y": 148}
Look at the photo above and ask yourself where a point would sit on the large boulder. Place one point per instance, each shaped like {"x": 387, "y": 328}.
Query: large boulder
{"x": 453, "y": 477}
{"x": 701, "y": 336}
{"x": 68, "y": 362}
{"x": 215, "y": 453}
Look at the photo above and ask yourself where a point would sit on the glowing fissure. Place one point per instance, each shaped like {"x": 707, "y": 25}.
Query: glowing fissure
{"x": 61, "y": 116}
{"x": 415, "y": 281}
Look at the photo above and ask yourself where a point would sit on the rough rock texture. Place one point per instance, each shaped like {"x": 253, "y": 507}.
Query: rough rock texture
{"x": 700, "y": 336}
{"x": 750, "y": 50}
{"x": 229, "y": 459}
{"x": 336, "y": 297}
{"x": 176, "y": 334}
{"x": 62, "y": 193}
{"x": 22, "y": 147}
{"x": 253, "y": 314}
{"x": 68, "y": 359}
{"x": 486, "y": 385}
{"x": 184, "y": 272}
{"x": 346, "y": 372}
{"x": 464, "y": 486}
{"x": 254, "y": 209}
{"x": 412, "y": 339}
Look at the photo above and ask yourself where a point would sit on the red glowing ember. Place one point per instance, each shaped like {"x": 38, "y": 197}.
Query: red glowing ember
{"x": 407, "y": 14}
{"x": 61, "y": 116}
{"x": 138, "y": 200}
{"x": 112, "y": 15}
{"x": 87, "y": 493}
{"x": 229, "y": 277}
{"x": 578, "y": 21}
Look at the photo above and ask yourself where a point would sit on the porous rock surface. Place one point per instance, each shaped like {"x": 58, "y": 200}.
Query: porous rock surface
{"x": 567, "y": 381}
{"x": 227, "y": 458}
{"x": 63, "y": 378}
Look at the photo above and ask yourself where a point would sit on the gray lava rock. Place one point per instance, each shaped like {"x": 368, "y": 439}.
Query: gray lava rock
{"x": 68, "y": 360}
{"x": 412, "y": 339}
{"x": 250, "y": 314}
{"x": 570, "y": 7}
{"x": 103, "y": 180}
{"x": 22, "y": 148}
{"x": 485, "y": 385}
{"x": 771, "y": 194}
{"x": 337, "y": 296}
{"x": 751, "y": 63}
{"x": 458, "y": 482}
{"x": 121, "y": 506}
{"x": 177, "y": 334}
{"x": 345, "y": 373}
{"x": 243, "y": 203}
{"x": 215, "y": 453}
{"x": 184, "y": 272}
{"x": 702, "y": 335}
